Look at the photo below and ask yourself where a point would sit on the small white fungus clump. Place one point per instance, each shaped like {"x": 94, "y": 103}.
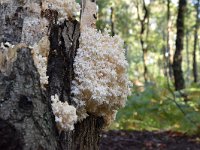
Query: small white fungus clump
{"x": 101, "y": 73}
{"x": 65, "y": 114}
{"x": 65, "y": 8}
{"x": 40, "y": 54}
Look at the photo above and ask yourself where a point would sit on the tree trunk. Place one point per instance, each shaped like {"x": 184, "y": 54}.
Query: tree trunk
{"x": 187, "y": 56}
{"x": 60, "y": 71}
{"x": 112, "y": 21}
{"x": 144, "y": 21}
{"x": 169, "y": 48}
{"x": 195, "y": 72}
{"x": 26, "y": 118}
{"x": 177, "y": 64}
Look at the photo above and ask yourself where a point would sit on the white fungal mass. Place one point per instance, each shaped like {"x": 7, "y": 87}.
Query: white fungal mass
{"x": 101, "y": 73}
{"x": 65, "y": 8}
{"x": 65, "y": 114}
{"x": 40, "y": 52}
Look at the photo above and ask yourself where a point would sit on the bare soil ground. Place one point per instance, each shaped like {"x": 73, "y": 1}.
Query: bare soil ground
{"x": 145, "y": 140}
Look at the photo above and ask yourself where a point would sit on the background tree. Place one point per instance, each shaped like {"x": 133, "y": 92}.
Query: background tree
{"x": 177, "y": 64}
{"x": 112, "y": 21}
{"x": 169, "y": 48}
{"x": 195, "y": 72}
{"x": 144, "y": 21}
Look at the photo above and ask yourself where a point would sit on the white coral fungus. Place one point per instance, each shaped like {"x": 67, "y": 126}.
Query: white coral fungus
{"x": 65, "y": 8}
{"x": 65, "y": 114}
{"x": 101, "y": 73}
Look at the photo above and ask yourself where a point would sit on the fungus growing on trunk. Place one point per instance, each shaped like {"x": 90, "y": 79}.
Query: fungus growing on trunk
{"x": 66, "y": 8}
{"x": 101, "y": 80}
{"x": 40, "y": 54}
{"x": 65, "y": 114}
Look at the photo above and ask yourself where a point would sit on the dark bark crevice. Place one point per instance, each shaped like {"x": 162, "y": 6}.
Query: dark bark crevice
{"x": 11, "y": 139}
{"x": 64, "y": 41}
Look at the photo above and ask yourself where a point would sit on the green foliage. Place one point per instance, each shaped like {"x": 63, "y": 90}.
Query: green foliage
{"x": 155, "y": 108}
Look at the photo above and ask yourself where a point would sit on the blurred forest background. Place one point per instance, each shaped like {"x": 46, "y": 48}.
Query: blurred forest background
{"x": 163, "y": 50}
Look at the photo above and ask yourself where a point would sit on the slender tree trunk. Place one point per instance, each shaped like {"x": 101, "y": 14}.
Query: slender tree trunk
{"x": 112, "y": 21}
{"x": 187, "y": 55}
{"x": 26, "y": 119}
{"x": 195, "y": 72}
{"x": 169, "y": 49}
{"x": 144, "y": 21}
{"x": 177, "y": 64}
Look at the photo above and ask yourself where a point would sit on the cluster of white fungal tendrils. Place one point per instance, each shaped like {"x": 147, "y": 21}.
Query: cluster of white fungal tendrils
{"x": 65, "y": 114}
{"x": 40, "y": 54}
{"x": 101, "y": 73}
{"x": 65, "y": 8}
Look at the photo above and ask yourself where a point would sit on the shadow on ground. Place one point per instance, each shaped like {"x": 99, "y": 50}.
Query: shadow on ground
{"x": 145, "y": 140}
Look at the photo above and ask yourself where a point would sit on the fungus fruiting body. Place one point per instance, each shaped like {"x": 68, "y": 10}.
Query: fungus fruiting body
{"x": 65, "y": 114}
{"x": 65, "y": 8}
{"x": 40, "y": 53}
{"x": 101, "y": 73}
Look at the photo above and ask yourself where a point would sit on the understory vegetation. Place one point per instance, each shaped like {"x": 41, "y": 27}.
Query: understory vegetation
{"x": 155, "y": 107}
{"x": 149, "y": 29}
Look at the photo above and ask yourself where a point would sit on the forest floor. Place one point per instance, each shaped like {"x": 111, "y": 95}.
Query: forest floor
{"x": 145, "y": 140}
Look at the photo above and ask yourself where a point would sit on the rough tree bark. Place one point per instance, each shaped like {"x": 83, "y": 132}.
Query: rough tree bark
{"x": 26, "y": 119}
{"x": 195, "y": 71}
{"x": 177, "y": 63}
{"x": 60, "y": 71}
{"x": 24, "y": 109}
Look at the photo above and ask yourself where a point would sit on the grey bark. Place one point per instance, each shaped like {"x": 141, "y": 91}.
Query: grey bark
{"x": 26, "y": 118}
{"x": 11, "y": 22}
{"x": 24, "y": 108}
